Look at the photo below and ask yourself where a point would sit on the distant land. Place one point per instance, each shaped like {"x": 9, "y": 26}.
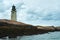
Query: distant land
{"x": 13, "y": 29}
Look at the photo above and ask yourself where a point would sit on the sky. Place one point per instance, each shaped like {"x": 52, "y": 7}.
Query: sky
{"x": 34, "y": 12}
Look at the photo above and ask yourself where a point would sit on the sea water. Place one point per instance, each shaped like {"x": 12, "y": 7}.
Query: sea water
{"x": 46, "y": 36}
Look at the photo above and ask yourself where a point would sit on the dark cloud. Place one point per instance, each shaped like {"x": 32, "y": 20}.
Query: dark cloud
{"x": 48, "y": 17}
{"x": 19, "y": 6}
{"x": 52, "y": 16}
{"x": 32, "y": 15}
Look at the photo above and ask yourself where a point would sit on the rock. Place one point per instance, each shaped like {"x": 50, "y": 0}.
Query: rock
{"x": 13, "y": 28}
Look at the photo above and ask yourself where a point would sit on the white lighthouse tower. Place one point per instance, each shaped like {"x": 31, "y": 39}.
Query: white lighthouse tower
{"x": 13, "y": 13}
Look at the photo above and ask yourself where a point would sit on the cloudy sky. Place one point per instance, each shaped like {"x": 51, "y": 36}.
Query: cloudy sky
{"x": 35, "y": 12}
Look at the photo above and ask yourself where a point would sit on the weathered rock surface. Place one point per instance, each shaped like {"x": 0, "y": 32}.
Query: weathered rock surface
{"x": 13, "y": 28}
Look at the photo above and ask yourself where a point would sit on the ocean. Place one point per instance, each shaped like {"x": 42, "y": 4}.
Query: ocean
{"x": 46, "y": 36}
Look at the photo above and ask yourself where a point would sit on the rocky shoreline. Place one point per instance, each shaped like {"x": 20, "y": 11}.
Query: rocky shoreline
{"x": 13, "y": 29}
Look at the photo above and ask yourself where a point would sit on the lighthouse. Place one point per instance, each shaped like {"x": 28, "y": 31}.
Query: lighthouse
{"x": 13, "y": 13}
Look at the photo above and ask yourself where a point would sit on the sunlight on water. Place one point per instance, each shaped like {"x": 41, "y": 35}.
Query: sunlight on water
{"x": 47, "y": 36}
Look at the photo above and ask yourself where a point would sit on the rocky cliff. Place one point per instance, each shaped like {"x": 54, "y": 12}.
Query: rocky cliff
{"x": 13, "y": 28}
